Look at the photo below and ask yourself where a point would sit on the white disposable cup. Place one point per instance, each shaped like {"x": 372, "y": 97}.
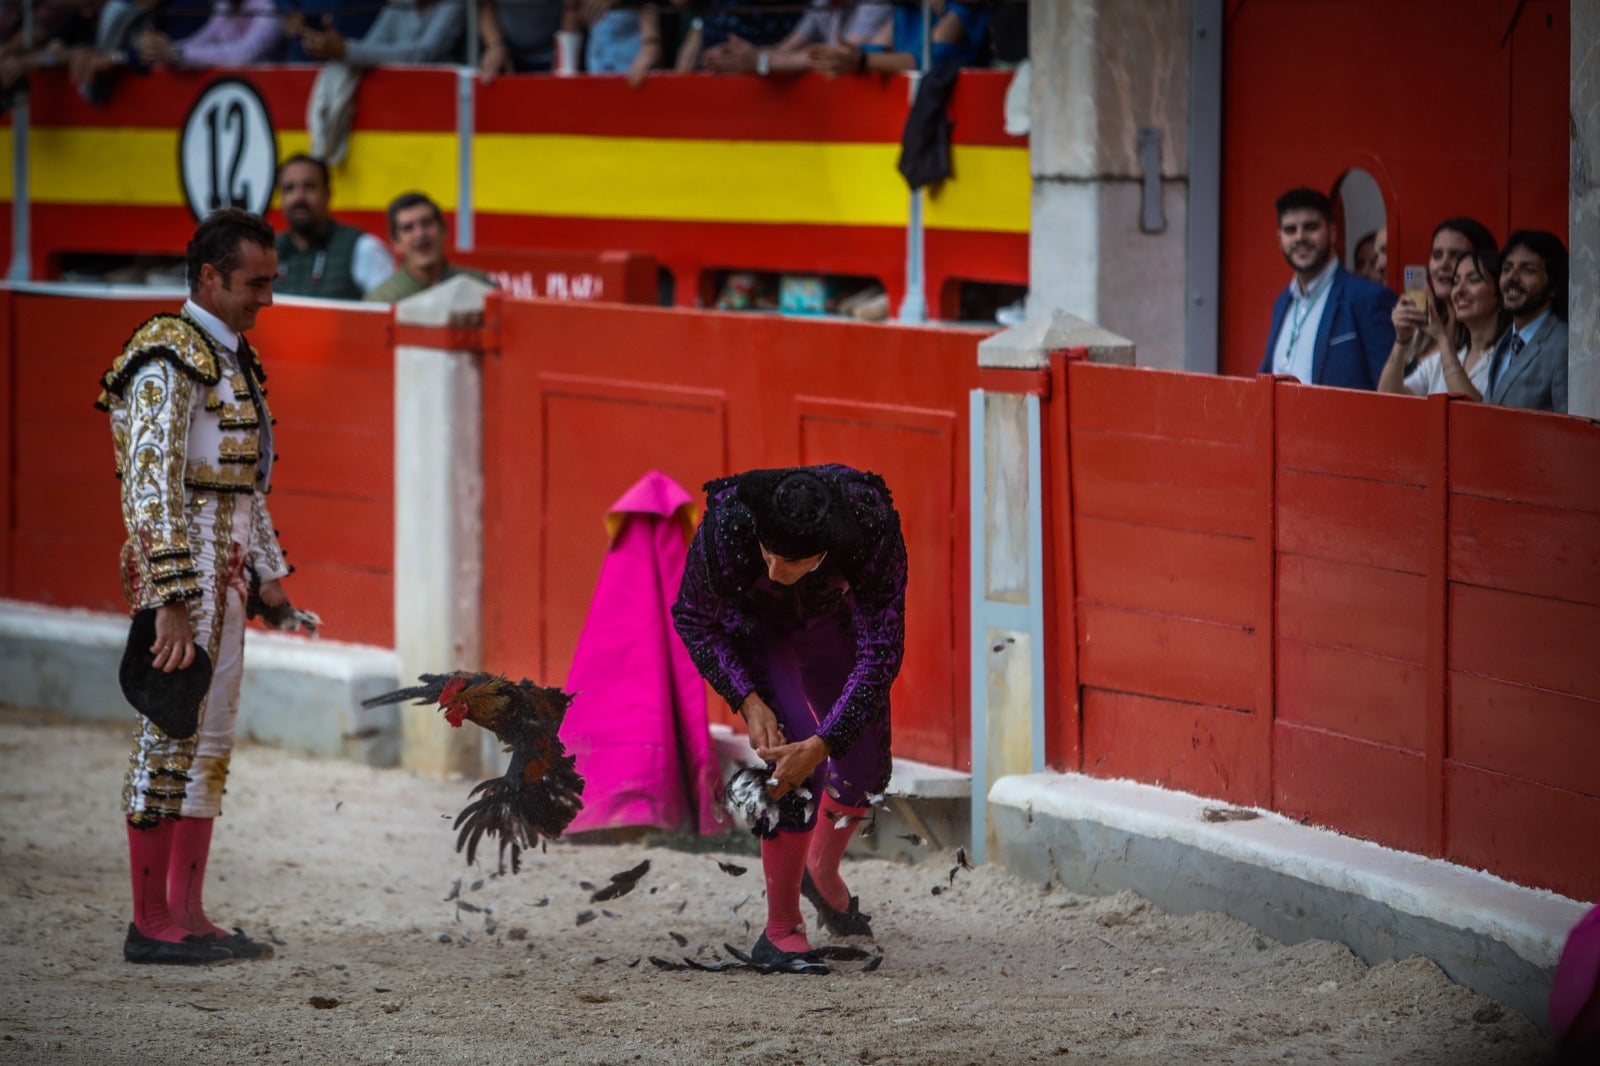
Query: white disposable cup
{"x": 568, "y": 45}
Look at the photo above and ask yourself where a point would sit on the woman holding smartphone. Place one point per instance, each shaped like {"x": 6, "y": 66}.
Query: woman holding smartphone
{"x": 1452, "y": 239}
{"x": 1459, "y": 358}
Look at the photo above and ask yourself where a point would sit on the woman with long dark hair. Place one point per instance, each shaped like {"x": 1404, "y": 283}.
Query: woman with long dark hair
{"x": 1459, "y": 361}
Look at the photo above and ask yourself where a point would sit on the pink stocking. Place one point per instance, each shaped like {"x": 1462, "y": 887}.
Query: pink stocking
{"x": 828, "y": 842}
{"x": 191, "y": 846}
{"x": 783, "y": 860}
{"x": 149, "y": 851}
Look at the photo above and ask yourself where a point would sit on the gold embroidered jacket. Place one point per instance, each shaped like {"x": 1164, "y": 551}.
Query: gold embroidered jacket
{"x": 188, "y": 417}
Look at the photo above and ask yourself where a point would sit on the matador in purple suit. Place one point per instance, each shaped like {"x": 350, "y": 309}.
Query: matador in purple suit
{"x": 793, "y": 608}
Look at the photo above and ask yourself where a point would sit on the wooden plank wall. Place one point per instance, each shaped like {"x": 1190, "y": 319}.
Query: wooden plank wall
{"x": 331, "y": 387}
{"x": 1373, "y": 613}
{"x": 584, "y": 400}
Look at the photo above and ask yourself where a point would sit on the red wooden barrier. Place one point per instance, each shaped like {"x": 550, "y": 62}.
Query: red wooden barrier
{"x": 584, "y": 400}
{"x": 613, "y": 277}
{"x": 1370, "y": 612}
{"x": 331, "y": 388}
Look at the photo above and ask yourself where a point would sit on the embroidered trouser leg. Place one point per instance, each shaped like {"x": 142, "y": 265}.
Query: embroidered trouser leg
{"x": 808, "y": 665}
{"x": 167, "y": 777}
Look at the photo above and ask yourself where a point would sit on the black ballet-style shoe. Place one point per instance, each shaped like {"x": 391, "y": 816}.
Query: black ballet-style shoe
{"x": 239, "y": 945}
{"x": 848, "y": 922}
{"x": 190, "y": 951}
{"x": 767, "y": 958}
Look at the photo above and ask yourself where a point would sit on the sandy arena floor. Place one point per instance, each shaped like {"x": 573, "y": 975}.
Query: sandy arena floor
{"x": 350, "y": 869}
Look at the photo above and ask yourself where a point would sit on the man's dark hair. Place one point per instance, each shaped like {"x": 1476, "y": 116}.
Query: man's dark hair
{"x": 1304, "y": 199}
{"x": 1355, "y": 253}
{"x": 1546, "y": 246}
{"x": 216, "y": 241}
{"x": 301, "y": 157}
{"x": 404, "y": 202}
{"x": 1476, "y": 233}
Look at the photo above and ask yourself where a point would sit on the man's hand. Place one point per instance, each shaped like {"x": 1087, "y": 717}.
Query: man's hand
{"x": 272, "y": 594}
{"x": 795, "y": 763}
{"x": 327, "y": 43}
{"x": 496, "y": 60}
{"x": 156, "y": 48}
{"x": 834, "y": 59}
{"x": 174, "y": 646}
{"x": 763, "y": 724}
{"x": 734, "y": 56}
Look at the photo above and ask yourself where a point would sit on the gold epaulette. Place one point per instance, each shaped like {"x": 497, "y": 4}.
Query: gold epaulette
{"x": 165, "y": 336}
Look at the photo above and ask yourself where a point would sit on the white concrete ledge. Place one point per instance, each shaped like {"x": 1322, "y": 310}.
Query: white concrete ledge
{"x": 909, "y": 778}
{"x": 1292, "y": 881}
{"x": 299, "y": 693}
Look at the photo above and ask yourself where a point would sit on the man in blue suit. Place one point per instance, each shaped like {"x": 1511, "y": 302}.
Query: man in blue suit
{"x": 1329, "y": 327}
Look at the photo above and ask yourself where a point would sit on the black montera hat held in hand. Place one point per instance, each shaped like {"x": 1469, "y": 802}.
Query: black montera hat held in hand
{"x": 798, "y": 513}
{"x": 170, "y": 700}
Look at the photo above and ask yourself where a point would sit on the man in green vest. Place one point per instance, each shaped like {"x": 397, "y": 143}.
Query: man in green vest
{"x": 318, "y": 256}
{"x": 416, "y": 225}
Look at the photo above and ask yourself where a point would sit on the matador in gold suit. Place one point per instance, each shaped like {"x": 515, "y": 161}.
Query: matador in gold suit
{"x": 194, "y": 454}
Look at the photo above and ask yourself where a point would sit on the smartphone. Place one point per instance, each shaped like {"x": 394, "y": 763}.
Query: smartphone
{"x": 1416, "y": 287}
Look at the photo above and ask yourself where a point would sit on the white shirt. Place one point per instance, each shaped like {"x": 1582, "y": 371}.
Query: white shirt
{"x": 1297, "y": 335}
{"x": 370, "y": 263}
{"x": 1427, "y": 377}
{"x": 213, "y": 325}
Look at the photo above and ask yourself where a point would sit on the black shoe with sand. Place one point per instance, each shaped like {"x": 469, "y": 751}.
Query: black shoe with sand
{"x": 190, "y": 951}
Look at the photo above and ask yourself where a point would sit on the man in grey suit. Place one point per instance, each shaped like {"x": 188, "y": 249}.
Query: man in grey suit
{"x": 1529, "y": 363}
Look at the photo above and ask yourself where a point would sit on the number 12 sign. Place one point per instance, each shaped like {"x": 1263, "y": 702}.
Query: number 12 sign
{"x": 228, "y": 154}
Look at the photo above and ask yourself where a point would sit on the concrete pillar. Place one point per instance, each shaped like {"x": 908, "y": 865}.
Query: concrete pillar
{"x": 1008, "y": 555}
{"x": 1583, "y": 349}
{"x": 1109, "y": 78}
{"x": 438, "y": 517}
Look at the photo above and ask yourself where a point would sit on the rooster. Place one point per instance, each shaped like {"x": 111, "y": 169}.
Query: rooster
{"x": 541, "y": 791}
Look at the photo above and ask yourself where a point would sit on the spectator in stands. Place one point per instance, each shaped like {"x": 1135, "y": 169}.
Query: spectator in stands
{"x": 1529, "y": 363}
{"x": 1459, "y": 361}
{"x": 1362, "y": 257}
{"x": 316, "y": 255}
{"x": 1452, "y": 239}
{"x": 960, "y": 36}
{"x": 416, "y": 225}
{"x": 1380, "y": 256}
{"x": 827, "y": 22}
{"x": 61, "y": 30}
{"x": 622, "y": 39}
{"x": 405, "y": 31}
{"x": 238, "y": 33}
{"x": 761, "y": 22}
{"x": 351, "y": 19}
{"x": 517, "y": 37}
{"x": 1328, "y": 327}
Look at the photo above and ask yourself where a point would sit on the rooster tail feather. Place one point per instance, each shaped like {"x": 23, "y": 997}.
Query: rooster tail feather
{"x": 420, "y": 693}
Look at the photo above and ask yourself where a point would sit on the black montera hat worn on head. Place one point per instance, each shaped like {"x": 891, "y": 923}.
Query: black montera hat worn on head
{"x": 798, "y": 513}
{"x": 170, "y": 700}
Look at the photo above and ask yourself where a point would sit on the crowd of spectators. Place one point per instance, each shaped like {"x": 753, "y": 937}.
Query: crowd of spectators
{"x": 97, "y": 39}
{"x": 1482, "y": 320}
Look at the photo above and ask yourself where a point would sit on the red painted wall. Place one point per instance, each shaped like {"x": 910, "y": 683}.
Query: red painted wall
{"x": 1456, "y": 107}
{"x": 1389, "y": 631}
{"x": 331, "y": 388}
{"x": 582, "y": 401}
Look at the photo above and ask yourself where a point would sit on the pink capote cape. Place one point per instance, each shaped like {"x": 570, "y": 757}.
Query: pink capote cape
{"x": 637, "y": 725}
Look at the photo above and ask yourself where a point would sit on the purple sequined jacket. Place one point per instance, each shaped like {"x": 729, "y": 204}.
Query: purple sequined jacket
{"x": 725, "y": 590}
